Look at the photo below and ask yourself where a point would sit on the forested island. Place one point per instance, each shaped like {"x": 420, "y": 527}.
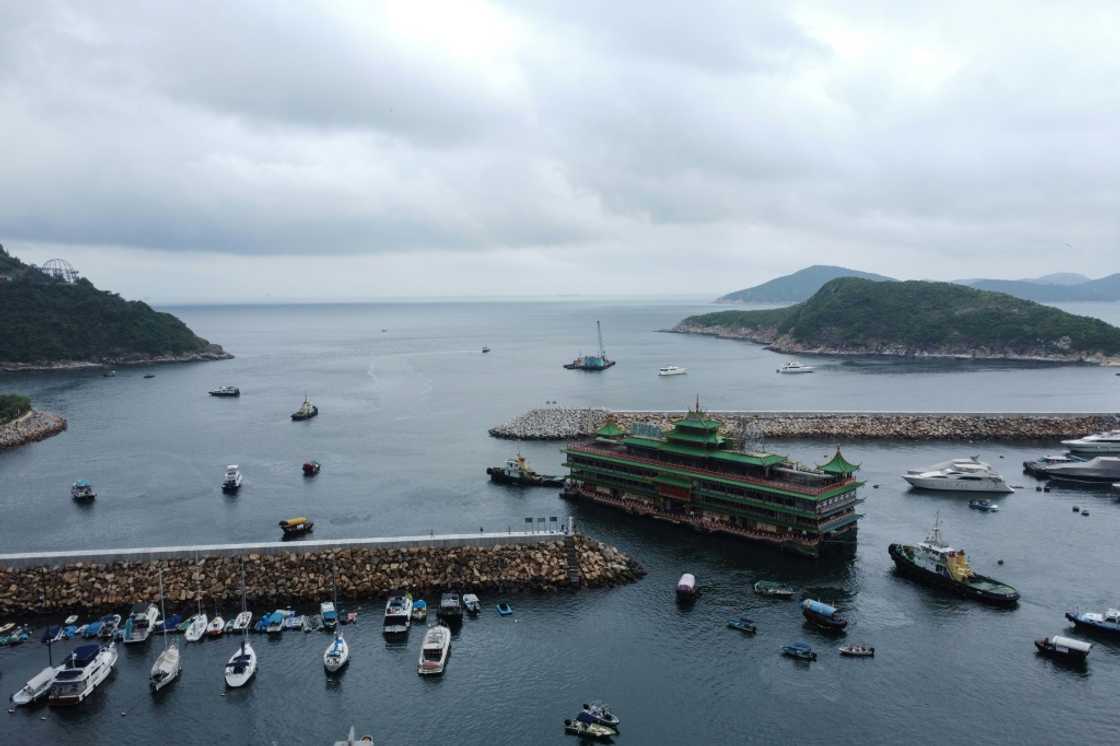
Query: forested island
{"x": 852, "y": 316}
{"x": 50, "y": 322}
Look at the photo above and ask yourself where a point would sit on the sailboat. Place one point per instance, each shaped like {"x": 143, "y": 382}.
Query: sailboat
{"x": 168, "y": 665}
{"x": 243, "y": 663}
{"x": 337, "y": 653}
{"x": 198, "y": 625}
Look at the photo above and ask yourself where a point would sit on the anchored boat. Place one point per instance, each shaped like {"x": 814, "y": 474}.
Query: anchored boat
{"x": 800, "y": 650}
{"x": 306, "y": 411}
{"x": 85, "y": 669}
{"x": 686, "y": 588}
{"x": 824, "y": 616}
{"x": 226, "y": 391}
{"x": 774, "y": 589}
{"x": 1064, "y": 648}
{"x": 434, "y": 651}
{"x": 958, "y": 475}
{"x": 516, "y": 471}
{"x": 231, "y": 482}
{"x": 593, "y": 362}
{"x": 1108, "y": 621}
{"x": 450, "y": 608}
{"x": 398, "y": 614}
{"x": 794, "y": 367}
{"x": 82, "y": 491}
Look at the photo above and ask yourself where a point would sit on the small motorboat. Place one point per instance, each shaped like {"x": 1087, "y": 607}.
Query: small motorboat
{"x": 672, "y": 370}
{"x": 793, "y": 366}
{"x": 109, "y": 626}
{"x": 824, "y": 616}
{"x": 226, "y": 391}
{"x": 328, "y": 614}
{"x": 170, "y": 624}
{"x": 471, "y": 604}
{"x": 294, "y": 622}
{"x": 419, "y": 610}
{"x": 276, "y": 622}
{"x": 149, "y": 375}
{"x": 296, "y": 526}
{"x": 589, "y": 730}
{"x": 216, "y": 627}
{"x": 351, "y": 739}
{"x": 434, "y": 651}
{"x": 306, "y": 411}
{"x": 1064, "y": 648}
{"x": 72, "y": 619}
{"x": 743, "y": 625}
{"x": 773, "y": 589}
{"x": 231, "y": 482}
{"x": 241, "y": 666}
{"x": 337, "y": 653}
{"x": 7, "y": 627}
{"x": 1097, "y": 621}
{"x": 36, "y": 687}
{"x": 857, "y": 651}
{"x": 686, "y": 588}
{"x": 985, "y": 505}
{"x": 350, "y": 617}
{"x": 229, "y": 626}
{"x": 92, "y": 630}
{"x": 485, "y": 349}
{"x": 109, "y": 374}
{"x": 800, "y": 651}
{"x": 82, "y": 491}
{"x": 311, "y": 468}
{"x": 504, "y": 609}
{"x": 312, "y": 623}
{"x": 23, "y": 634}
{"x": 450, "y": 608}
{"x": 599, "y": 712}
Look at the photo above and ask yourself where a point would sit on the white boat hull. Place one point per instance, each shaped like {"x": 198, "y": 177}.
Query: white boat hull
{"x": 336, "y": 655}
{"x": 166, "y": 669}
{"x": 108, "y": 659}
{"x": 676, "y": 372}
{"x": 236, "y": 679}
{"x": 988, "y": 486}
{"x": 795, "y": 371}
{"x": 1099, "y": 448}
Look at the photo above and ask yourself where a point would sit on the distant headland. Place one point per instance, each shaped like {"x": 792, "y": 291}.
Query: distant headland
{"x": 53, "y": 319}
{"x": 853, "y": 316}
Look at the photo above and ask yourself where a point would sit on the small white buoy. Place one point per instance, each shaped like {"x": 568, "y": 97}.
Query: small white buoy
{"x": 123, "y": 713}
{"x": 11, "y": 710}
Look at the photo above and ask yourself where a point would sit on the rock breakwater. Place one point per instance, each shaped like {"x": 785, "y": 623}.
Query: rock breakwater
{"x": 306, "y": 576}
{"x": 29, "y": 428}
{"x": 566, "y": 424}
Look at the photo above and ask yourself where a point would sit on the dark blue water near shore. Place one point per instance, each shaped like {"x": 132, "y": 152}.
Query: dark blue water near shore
{"x": 402, "y": 438}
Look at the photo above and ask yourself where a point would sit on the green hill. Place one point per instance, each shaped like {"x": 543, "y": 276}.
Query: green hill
{"x": 851, "y": 316}
{"x": 797, "y": 286}
{"x": 50, "y": 323}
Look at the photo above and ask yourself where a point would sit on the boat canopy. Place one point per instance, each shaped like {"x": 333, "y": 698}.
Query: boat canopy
{"x": 687, "y": 582}
{"x": 1071, "y": 644}
{"x": 82, "y": 483}
{"x": 83, "y": 655}
{"x": 293, "y": 522}
{"x": 819, "y": 608}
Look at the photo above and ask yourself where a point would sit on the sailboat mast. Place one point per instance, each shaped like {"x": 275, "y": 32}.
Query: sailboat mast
{"x": 162, "y": 608}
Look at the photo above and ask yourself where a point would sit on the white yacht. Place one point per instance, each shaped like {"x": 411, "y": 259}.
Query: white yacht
{"x": 140, "y": 623}
{"x": 241, "y": 665}
{"x": 1097, "y": 470}
{"x": 231, "y": 482}
{"x": 36, "y": 687}
{"x": 958, "y": 475}
{"x": 337, "y": 653}
{"x": 197, "y": 627}
{"x": 672, "y": 370}
{"x": 398, "y": 614}
{"x": 84, "y": 670}
{"x": 795, "y": 367}
{"x": 434, "y": 652}
{"x": 1108, "y": 442}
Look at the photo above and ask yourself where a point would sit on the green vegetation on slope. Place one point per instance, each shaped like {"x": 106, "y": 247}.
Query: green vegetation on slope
{"x": 850, "y": 313}
{"x": 45, "y": 320}
{"x": 13, "y": 406}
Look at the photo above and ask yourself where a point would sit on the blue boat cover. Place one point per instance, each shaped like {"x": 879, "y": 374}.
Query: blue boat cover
{"x": 84, "y": 654}
{"x": 421, "y": 604}
{"x": 818, "y": 608}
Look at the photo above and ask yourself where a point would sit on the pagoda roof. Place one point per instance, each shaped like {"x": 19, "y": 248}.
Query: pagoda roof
{"x": 733, "y": 457}
{"x": 611, "y": 429}
{"x": 839, "y": 465}
{"x": 707, "y": 438}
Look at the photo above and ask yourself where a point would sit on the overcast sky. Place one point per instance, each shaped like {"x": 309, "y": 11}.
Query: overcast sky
{"x": 216, "y": 151}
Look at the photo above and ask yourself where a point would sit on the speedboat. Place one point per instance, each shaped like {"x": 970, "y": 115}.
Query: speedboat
{"x": 686, "y": 587}
{"x": 225, "y": 391}
{"x": 166, "y": 668}
{"x": 241, "y": 665}
{"x": 672, "y": 370}
{"x": 1039, "y": 466}
{"x": 598, "y": 712}
{"x": 197, "y": 628}
{"x": 82, "y": 491}
{"x": 795, "y": 367}
{"x": 109, "y": 626}
{"x": 743, "y": 624}
{"x": 328, "y": 614}
{"x": 471, "y": 604}
{"x": 83, "y": 672}
{"x": 231, "y": 482}
{"x": 1108, "y": 621}
{"x": 504, "y": 609}
{"x": 799, "y": 650}
{"x": 824, "y": 616}
{"x": 398, "y": 614}
{"x": 36, "y": 687}
{"x": 450, "y": 609}
{"x": 589, "y": 730}
{"x": 857, "y": 651}
{"x": 773, "y": 588}
{"x": 1066, "y": 648}
{"x": 985, "y": 505}
{"x": 216, "y": 627}
{"x": 140, "y": 623}
{"x": 306, "y": 411}
{"x": 276, "y": 622}
{"x": 242, "y": 621}
{"x": 1107, "y": 442}
{"x": 434, "y": 651}
{"x": 1102, "y": 470}
{"x": 337, "y": 653}
{"x": 958, "y": 475}
{"x": 419, "y": 610}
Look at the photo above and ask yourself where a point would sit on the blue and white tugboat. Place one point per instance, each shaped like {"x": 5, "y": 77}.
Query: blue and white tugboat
{"x": 1108, "y": 621}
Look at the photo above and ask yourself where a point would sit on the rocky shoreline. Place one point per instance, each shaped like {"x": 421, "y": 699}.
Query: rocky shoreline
{"x": 301, "y": 576}
{"x": 29, "y": 428}
{"x": 210, "y": 353}
{"x": 566, "y": 424}
{"x": 769, "y": 338}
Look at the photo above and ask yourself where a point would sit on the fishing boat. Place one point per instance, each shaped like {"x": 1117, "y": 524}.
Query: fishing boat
{"x": 672, "y": 370}
{"x": 773, "y": 589}
{"x": 84, "y": 670}
{"x": 592, "y": 362}
{"x": 686, "y": 588}
{"x": 311, "y": 468}
{"x": 36, "y": 687}
{"x": 1107, "y": 621}
{"x": 857, "y": 651}
{"x": 419, "y": 610}
{"x": 82, "y": 491}
{"x": 328, "y": 614}
{"x": 434, "y": 651}
{"x": 958, "y": 475}
{"x": 986, "y": 506}
{"x": 936, "y": 563}
{"x": 296, "y": 526}
{"x": 242, "y": 621}
{"x": 504, "y": 609}
{"x": 226, "y": 391}
{"x": 276, "y": 622}
{"x": 1064, "y": 648}
{"x": 793, "y": 367}
{"x": 450, "y": 608}
{"x": 306, "y": 411}
{"x": 110, "y": 624}
{"x": 199, "y": 624}
{"x": 743, "y": 624}
{"x": 799, "y": 650}
{"x": 243, "y": 663}
{"x": 231, "y": 481}
{"x": 822, "y": 615}
{"x": 471, "y": 604}
{"x": 600, "y": 713}
{"x": 337, "y": 653}
{"x": 216, "y": 627}
{"x": 589, "y": 730}
{"x": 398, "y": 614}
{"x": 169, "y": 664}
{"x": 517, "y": 472}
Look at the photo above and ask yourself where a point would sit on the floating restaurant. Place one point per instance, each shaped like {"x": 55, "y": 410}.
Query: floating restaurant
{"x": 694, "y": 476}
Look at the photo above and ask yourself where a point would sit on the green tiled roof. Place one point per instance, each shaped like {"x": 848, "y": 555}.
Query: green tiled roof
{"x": 711, "y": 438}
{"x": 753, "y": 459}
{"x": 839, "y": 465}
{"x": 610, "y": 430}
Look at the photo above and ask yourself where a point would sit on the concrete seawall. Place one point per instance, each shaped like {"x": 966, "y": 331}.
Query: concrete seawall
{"x": 563, "y": 424}
{"x": 304, "y": 571}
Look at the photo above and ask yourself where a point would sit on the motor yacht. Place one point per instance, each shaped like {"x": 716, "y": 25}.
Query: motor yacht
{"x": 1107, "y": 442}
{"x": 672, "y": 370}
{"x": 958, "y": 475}
{"x": 795, "y": 367}
{"x": 140, "y": 623}
{"x": 398, "y": 614}
{"x": 83, "y": 672}
{"x": 231, "y": 482}
{"x": 1103, "y": 470}
{"x": 226, "y": 391}
{"x": 434, "y": 652}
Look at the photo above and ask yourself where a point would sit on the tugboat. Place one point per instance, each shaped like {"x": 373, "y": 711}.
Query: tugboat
{"x": 824, "y": 616}
{"x": 311, "y": 468}
{"x": 296, "y": 526}
{"x": 82, "y": 491}
{"x": 517, "y": 471}
{"x": 228, "y": 391}
{"x": 306, "y": 411}
{"x": 231, "y": 482}
{"x": 1108, "y": 621}
{"x": 936, "y": 563}
{"x": 592, "y": 362}
{"x": 1064, "y": 648}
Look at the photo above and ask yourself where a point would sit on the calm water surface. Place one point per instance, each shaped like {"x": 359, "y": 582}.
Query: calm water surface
{"x": 402, "y": 438}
